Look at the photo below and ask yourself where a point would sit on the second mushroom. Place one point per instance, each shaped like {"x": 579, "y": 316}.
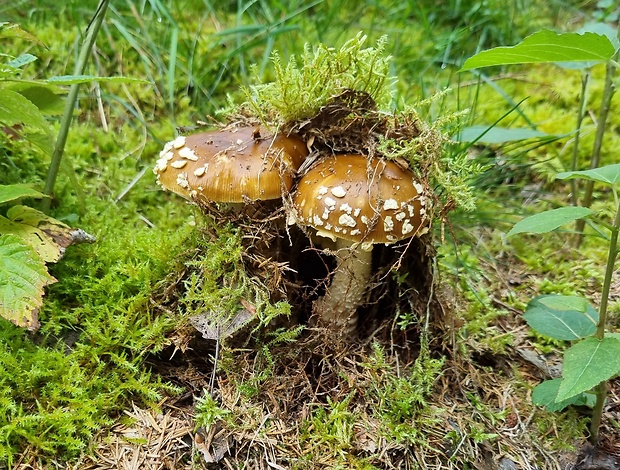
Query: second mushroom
{"x": 357, "y": 201}
{"x": 231, "y": 165}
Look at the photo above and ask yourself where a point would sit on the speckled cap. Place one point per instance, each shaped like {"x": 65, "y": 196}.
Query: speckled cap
{"x": 361, "y": 200}
{"x": 234, "y": 164}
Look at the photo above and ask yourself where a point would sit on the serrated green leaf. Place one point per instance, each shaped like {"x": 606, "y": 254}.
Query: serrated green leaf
{"x": 498, "y": 135}
{"x": 23, "y": 276}
{"x": 549, "y": 220}
{"x": 16, "y": 109}
{"x": 599, "y": 28}
{"x": 12, "y": 192}
{"x": 588, "y": 363}
{"x": 43, "y": 96}
{"x": 562, "y": 317}
{"x": 545, "y": 394}
{"x": 77, "y": 79}
{"x": 604, "y": 29}
{"x": 609, "y": 174}
{"x": 547, "y": 46}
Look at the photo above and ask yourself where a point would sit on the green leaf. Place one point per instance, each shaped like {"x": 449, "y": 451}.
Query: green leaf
{"x": 588, "y": 363}
{"x": 78, "y": 79}
{"x": 42, "y": 96}
{"x": 16, "y": 109}
{"x": 547, "y": 46}
{"x": 562, "y": 317}
{"x": 604, "y": 29}
{"x": 549, "y": 220}
{"x": 12, "y": 192}
{"x": 42, "y": 141}
{"x": 7, "y": 73}
{"x": 545, "y": 394}
{"x": 498, "y": 135}
{"x": 23, "y": 276}
{"x": 609, "y": 174}
{"x": 22, "y": 60}
{"x": 599, "y": 28}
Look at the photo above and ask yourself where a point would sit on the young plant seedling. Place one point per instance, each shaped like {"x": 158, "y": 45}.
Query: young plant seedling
{"x": 594, "y": 358}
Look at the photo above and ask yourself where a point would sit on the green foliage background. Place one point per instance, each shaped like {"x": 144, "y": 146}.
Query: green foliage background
{"x": 72, "y": 379}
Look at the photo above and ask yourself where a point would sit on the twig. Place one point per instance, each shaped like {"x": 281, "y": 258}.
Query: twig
{"x": 215, "y": 357}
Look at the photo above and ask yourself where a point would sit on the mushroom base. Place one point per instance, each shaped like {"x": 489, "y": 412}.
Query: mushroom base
{"x": 341, "y": 293}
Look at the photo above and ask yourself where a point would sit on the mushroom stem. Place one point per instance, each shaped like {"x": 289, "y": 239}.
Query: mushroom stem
{"x": 338, "y": 307}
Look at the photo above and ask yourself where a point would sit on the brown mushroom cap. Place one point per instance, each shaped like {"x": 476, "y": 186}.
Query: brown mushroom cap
{"x": 234, "y": 164}
{"x": 361, "y": 200}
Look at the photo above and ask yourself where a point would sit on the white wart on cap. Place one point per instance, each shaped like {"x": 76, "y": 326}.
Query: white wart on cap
{"x": 361, "y": 200}
{"x": 232, "y": 165}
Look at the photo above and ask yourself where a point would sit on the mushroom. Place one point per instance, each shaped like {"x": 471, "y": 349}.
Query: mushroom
{"x": 232, "y": 165}
{"x": 357, "y": 201}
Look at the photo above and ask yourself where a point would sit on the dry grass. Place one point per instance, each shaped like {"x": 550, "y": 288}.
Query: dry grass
{"x": 150, "y": 441}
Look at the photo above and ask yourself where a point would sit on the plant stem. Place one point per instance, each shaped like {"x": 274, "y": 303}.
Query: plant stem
{"x": 601, "y": 389}
{"x": 580, "y": 114}
{"x": 609, "y": 271}
{"x": 597, "y": 412}
{"x": 608, "y": 93}
{"x": 65, "y": 123}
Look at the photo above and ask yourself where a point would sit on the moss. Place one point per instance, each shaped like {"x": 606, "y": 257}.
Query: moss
{"x": 402, "y": 403}
{"x": 54, "y": 401}
{"x": 561, "y": 430}
{"x": 300, "y": 90}
{"x": 340, "y": 101}
{"x": 208, "y": 412}
{"x": 87, "y": 362}
{"x": 98, "y": 325}
{"x": 330, "y": 431}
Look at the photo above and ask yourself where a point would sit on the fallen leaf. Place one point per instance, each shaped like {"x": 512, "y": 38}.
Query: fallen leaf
{"x": 215, "y": 328}
{"x": 48, "y": 236}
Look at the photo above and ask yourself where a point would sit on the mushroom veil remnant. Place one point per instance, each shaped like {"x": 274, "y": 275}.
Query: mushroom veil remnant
{"x": 357, "y": 201}
{"x": 233, "y": 165}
